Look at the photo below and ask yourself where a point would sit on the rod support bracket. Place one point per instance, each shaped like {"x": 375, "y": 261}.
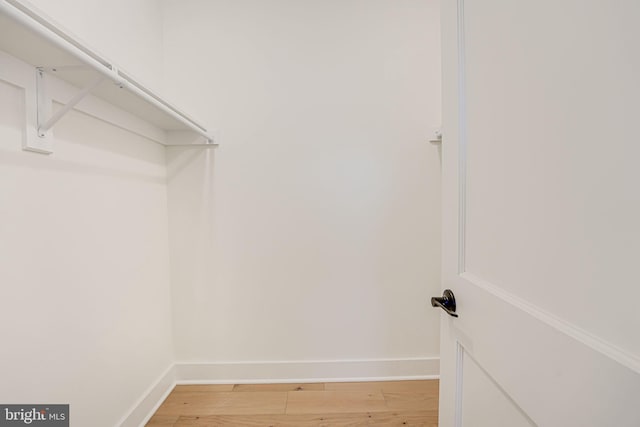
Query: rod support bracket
{"x": 46, "y": 120}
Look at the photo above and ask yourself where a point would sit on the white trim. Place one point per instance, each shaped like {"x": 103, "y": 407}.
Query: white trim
{"x": 312, "y": 361}
{"x": 462, "y": 141}
{"x": 459, "y": 384}
{"x": 23, "y": 76}
{"x": 310, "y": 380}
{"x": 608, "y": 349}
{"x": 307, "y": 371}
{"x": 150, "y": 401}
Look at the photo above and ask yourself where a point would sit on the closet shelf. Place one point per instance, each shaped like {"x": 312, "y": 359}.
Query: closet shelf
{"x": 35, "y": 39}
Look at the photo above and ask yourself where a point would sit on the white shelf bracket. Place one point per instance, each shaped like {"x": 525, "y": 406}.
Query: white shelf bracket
{"x": 35, "y": 39}
{"x": 45, "y": 119}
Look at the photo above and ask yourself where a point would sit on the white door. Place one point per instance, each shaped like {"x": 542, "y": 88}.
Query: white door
{"x": 541, "y": 164}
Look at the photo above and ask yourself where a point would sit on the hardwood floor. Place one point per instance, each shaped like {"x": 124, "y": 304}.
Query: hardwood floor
{"x": 389, "y": 403}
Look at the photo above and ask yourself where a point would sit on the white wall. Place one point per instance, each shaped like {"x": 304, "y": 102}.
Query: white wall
{"x": 312, "y": 232}
{"x": 128, "y": 32}
{"x": 85, "y": 313}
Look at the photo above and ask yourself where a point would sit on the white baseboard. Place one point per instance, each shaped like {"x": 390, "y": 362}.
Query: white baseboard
{"x": 150, "y": 400}
{"x": 296, "y": 371}
{"x": 307, "y": 371}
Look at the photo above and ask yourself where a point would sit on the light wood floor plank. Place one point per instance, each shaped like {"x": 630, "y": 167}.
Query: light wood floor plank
{"x": 406, "y": 401}
{"x": 203, "y": 387}
{"x": 162, "y": 421}
{"x": 223, "y": 403}
{"x": 391, "y": 419}
{"x": 405, "y": 418}
{"x": 279, "y": 387}
{"x": 389, "y": 403}
{"x": 331, "y": 402}
{"x": 418, "y": 386}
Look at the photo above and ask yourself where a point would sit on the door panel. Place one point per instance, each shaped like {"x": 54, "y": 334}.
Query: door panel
{"x": 540, "y": 213}
{"x": 552, "y": 171}
{"x": 554, "y": 378}
{"x": 494, "y": 402}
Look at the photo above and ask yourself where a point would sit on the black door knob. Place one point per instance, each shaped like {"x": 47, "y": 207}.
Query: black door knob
{"x": 447, "y": 302}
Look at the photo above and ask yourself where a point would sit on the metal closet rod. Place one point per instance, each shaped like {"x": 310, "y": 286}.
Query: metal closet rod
{"x": 48, "y": 31}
